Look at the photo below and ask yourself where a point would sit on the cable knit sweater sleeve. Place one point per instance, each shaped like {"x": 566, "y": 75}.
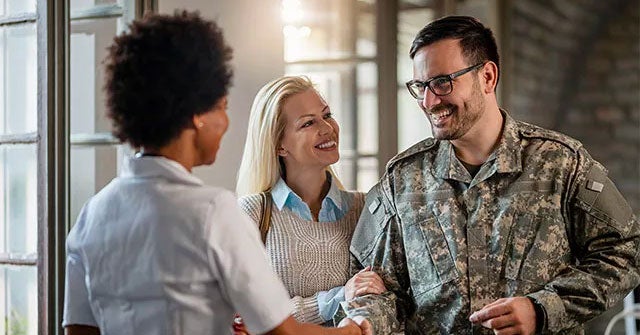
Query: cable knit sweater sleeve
{"x": 306, "y": 309}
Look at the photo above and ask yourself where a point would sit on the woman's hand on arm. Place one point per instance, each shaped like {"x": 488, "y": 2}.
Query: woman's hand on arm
{"x": 364, "y": 282}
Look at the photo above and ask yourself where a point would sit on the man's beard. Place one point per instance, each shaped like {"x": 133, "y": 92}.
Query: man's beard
{"x": 461, "y": 119}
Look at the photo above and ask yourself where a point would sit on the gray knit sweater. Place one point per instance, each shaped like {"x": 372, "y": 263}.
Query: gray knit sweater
{"x": 308, "y": 256}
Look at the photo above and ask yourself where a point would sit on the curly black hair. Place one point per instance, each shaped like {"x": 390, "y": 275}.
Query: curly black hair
{"x": 477, "y": 41}
{"x": 161, "y": 73}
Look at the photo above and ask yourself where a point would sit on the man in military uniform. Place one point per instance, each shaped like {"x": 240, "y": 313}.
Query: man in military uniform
{"x": 494, "y": 226}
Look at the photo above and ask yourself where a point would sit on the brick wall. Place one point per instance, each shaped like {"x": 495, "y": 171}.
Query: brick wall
{"x": 576, "y": 69}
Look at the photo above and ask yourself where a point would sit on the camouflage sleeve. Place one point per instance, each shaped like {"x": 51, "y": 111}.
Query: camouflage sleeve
{"x": 377, "y": 242}
{"x": 604, "y": 234}
{"x": 380, "y": 310}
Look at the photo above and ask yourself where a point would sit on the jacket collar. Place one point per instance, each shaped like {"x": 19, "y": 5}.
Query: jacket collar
{"x": 158, "y": 167}
{"x": 507, "y": 157}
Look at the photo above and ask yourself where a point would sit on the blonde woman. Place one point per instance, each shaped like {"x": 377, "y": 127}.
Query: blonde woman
{"x": 292, "y": 140}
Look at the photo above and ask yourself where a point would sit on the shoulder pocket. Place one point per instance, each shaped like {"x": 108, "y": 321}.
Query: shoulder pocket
{"x": 599, "y": 197}
{"x": 373, "y": 219}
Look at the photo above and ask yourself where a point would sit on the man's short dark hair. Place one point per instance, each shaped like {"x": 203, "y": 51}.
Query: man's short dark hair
{"x": 477, "y": 41}
{"x": 161, "y": 73}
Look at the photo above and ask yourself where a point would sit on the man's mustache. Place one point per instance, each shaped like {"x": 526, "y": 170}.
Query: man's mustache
{"x": 440, "y": 108}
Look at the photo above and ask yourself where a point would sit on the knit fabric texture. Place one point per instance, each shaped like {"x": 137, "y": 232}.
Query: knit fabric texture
{"x": 308, "y": 256}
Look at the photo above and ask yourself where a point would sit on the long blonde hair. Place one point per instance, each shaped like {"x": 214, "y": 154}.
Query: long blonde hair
{"x": 260, "y": 168}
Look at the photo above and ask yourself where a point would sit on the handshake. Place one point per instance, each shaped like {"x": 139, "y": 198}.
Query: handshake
{"x": 356, "y": 326}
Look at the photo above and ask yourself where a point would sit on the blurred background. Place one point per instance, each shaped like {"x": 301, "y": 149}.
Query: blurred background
{"x": 568, "y": 65}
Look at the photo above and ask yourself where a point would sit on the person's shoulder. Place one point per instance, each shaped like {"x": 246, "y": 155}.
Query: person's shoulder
{"x": 209, "y": 196}
{"x": 217, "y": 192}
{"x": 533, "y": 132}
{"x": 416, "y": 151}
{"x": 250, "y": 200}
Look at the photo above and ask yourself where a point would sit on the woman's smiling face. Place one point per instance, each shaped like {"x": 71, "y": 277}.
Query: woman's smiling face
{"x": 310, "y": 138}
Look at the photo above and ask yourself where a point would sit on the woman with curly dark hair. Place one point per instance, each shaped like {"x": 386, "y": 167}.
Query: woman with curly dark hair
{"x": 156, "y": 251}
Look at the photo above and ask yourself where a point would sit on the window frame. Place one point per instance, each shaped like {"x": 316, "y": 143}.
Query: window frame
{"x": 54, "y": 141}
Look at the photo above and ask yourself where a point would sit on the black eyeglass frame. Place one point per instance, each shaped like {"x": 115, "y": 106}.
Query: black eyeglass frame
{"x": 448, "y": 77}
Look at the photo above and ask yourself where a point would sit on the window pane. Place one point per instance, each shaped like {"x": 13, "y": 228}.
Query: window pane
{"x": 367, "y": 78}
{"x": 413, "y": 125}
{"x": 18, "y": 199}
{"x": 91, "y": 169}
{"x": 366, "y": 36}
{"x": 84, "y": 4}
{"x": 18, "y": 300}
{"x": 315, "y": 29}
{"x": 367, "y": 173}
{"x": 89, "y": 41}
{"x": 409, "y": 23}
{"x": 18, "y": 83}
{"x": 9, "y": 7}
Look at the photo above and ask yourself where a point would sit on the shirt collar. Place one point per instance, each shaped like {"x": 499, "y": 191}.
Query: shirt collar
{"x": 283, "y": 195}
{"x": 447, "y": 166}
{"x": 280, "y": 193}
{"x": 334, "y": 195}
{"x": 158, "y": 166}
{"x": 507, "y": 155}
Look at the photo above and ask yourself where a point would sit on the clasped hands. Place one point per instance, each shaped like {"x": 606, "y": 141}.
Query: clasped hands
{"x": 363, "y": 282}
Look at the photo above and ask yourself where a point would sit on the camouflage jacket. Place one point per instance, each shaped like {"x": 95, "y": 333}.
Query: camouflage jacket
{"x": 539, "y": 219}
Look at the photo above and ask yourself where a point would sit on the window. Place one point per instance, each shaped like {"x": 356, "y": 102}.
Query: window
{"x": 47, "y": 93}
{"x": 333, "y": 42}
{"x": 413, "y": 125}
{"x": 18, "y": 168}
{"x": 95, "y": 155}
{"x": 356, "y": 53}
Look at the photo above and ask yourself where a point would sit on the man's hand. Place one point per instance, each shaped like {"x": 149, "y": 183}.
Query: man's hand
{"x": 364, "y": 282}
{"x": 507, "y": 316}
{"x": 363, "y": 323}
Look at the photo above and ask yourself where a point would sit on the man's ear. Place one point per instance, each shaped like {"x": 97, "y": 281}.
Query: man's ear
{"x": 489, "y": 76}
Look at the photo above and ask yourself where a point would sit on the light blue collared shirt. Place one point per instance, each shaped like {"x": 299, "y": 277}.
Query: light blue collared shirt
{"x": 334, "y": 206}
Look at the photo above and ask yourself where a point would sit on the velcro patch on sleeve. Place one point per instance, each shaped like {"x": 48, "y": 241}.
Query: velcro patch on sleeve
{"x": 603, "y": 199}
{"x": 594, "y": 186}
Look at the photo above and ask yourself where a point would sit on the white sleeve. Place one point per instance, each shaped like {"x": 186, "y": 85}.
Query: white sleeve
{"x": 238, "y": 256}
{"x": 77, "y": 310}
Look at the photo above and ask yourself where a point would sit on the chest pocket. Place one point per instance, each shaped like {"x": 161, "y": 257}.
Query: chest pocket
{"x": 538, "y": 248}
{"x": 429, "y": 259}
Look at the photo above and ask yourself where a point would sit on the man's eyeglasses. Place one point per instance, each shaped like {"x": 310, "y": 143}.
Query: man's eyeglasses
{"x": 440, "y": 85}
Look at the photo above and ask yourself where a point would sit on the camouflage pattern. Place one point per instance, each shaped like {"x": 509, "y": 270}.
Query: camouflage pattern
{"x": 540, "y": 218}
{"x": 383, "y": 311}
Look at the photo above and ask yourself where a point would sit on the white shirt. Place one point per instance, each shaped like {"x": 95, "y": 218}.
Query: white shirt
{"x": 157, "y": 252}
